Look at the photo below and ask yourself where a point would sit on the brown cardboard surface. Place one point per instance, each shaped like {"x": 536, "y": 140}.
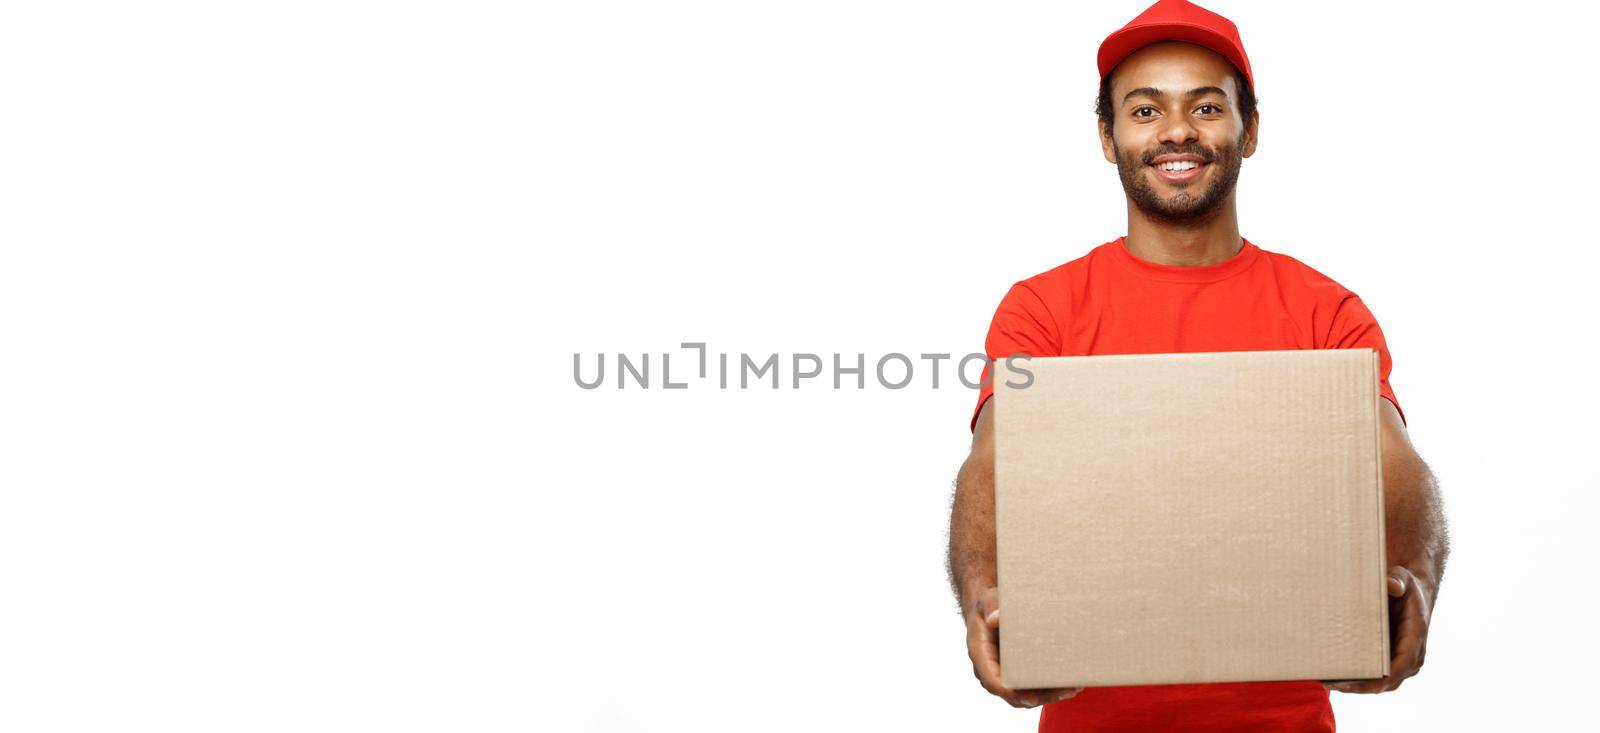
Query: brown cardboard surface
{"x": 1180, "y": 518}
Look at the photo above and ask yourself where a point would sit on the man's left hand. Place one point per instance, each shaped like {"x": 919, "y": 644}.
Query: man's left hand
{"x": 1410, "y": 608}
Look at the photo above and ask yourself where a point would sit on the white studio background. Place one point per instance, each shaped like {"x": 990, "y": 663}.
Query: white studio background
{"x": 290, "y": 292}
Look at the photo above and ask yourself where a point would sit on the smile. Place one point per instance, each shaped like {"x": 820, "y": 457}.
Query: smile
{"x": 1179, "y": 170}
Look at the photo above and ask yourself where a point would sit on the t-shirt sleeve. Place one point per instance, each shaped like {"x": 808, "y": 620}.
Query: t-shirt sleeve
{"x": 1354, "y": 327}
{"x": 1022, "y": 325}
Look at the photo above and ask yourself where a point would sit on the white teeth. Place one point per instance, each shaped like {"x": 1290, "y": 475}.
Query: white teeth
{"x": 1181, "y": 165}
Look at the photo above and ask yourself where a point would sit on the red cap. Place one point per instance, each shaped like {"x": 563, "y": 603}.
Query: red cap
{"x": 1176, "y": 20}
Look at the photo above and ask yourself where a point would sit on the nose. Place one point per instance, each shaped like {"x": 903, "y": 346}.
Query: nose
{"x": 1177, "y": 130}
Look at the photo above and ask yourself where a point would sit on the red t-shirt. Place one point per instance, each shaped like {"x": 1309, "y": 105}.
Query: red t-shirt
{"x": 1110, "y": 302}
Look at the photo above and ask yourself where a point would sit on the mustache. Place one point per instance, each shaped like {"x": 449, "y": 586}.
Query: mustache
{"x": 1206, "y": 154}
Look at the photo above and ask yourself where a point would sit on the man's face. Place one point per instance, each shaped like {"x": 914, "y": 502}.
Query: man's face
{"x": 1178, "y": 138}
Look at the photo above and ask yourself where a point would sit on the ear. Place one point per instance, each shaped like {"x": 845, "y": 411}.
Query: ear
{"x": 1108, "y": 144}
{"x": 1251, "y": 131}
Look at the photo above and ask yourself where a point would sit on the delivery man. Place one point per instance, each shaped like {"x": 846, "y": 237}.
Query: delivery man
{"x": 1177, "y": 116}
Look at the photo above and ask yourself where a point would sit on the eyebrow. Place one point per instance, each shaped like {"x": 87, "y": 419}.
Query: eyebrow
{"x": 1158, "y": 94}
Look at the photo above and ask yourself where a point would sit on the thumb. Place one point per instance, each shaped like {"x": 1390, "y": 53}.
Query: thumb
{"x": 993, "y": 619}
{"x": 1397, "y": 582}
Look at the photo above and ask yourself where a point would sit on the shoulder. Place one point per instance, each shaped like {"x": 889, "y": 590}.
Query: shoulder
{"x": 1295, "y": 275}
{"x": 1334, "y": 311}
{"x": 1056, "y": 285}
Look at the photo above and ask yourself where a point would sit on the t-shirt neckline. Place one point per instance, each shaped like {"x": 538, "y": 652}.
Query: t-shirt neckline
{"x": 1234, "y": 265}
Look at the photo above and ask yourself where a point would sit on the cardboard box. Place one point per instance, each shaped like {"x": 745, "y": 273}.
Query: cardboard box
{"x": 1184, "y": 518}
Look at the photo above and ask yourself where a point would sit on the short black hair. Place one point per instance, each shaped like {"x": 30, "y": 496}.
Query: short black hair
{"x": 1247, "y": 99}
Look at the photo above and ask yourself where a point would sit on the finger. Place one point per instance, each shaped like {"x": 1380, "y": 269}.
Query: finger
{"x": 1036, "y": 697}
{"x": 1355, "y": 686}
{"x": 1364, "y": 687}
{"x": 1397, "y": 581}
{"x": 988, "y": 674}
{"x": 985, "y": 654}
{"x": 1413, "y": 632}
{"x": 1065, "y": 693}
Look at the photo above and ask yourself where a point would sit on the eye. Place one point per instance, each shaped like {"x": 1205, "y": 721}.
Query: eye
{"x": 1139, "y": 111}
{"x": 1214, "y": 109}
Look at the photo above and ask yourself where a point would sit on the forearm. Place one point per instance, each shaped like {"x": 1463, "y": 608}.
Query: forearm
{"x": 972, "y": 543}
{"x": 1414, "y": 523}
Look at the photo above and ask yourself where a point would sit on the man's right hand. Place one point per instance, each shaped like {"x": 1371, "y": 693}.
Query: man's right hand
{"x": 983, "y": 646}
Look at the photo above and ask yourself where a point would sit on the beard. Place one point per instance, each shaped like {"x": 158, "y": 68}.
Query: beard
{"x": 1184, "y": 206}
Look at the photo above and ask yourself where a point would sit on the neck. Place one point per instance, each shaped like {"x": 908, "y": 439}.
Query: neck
{"x": 1186, "y": 243}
